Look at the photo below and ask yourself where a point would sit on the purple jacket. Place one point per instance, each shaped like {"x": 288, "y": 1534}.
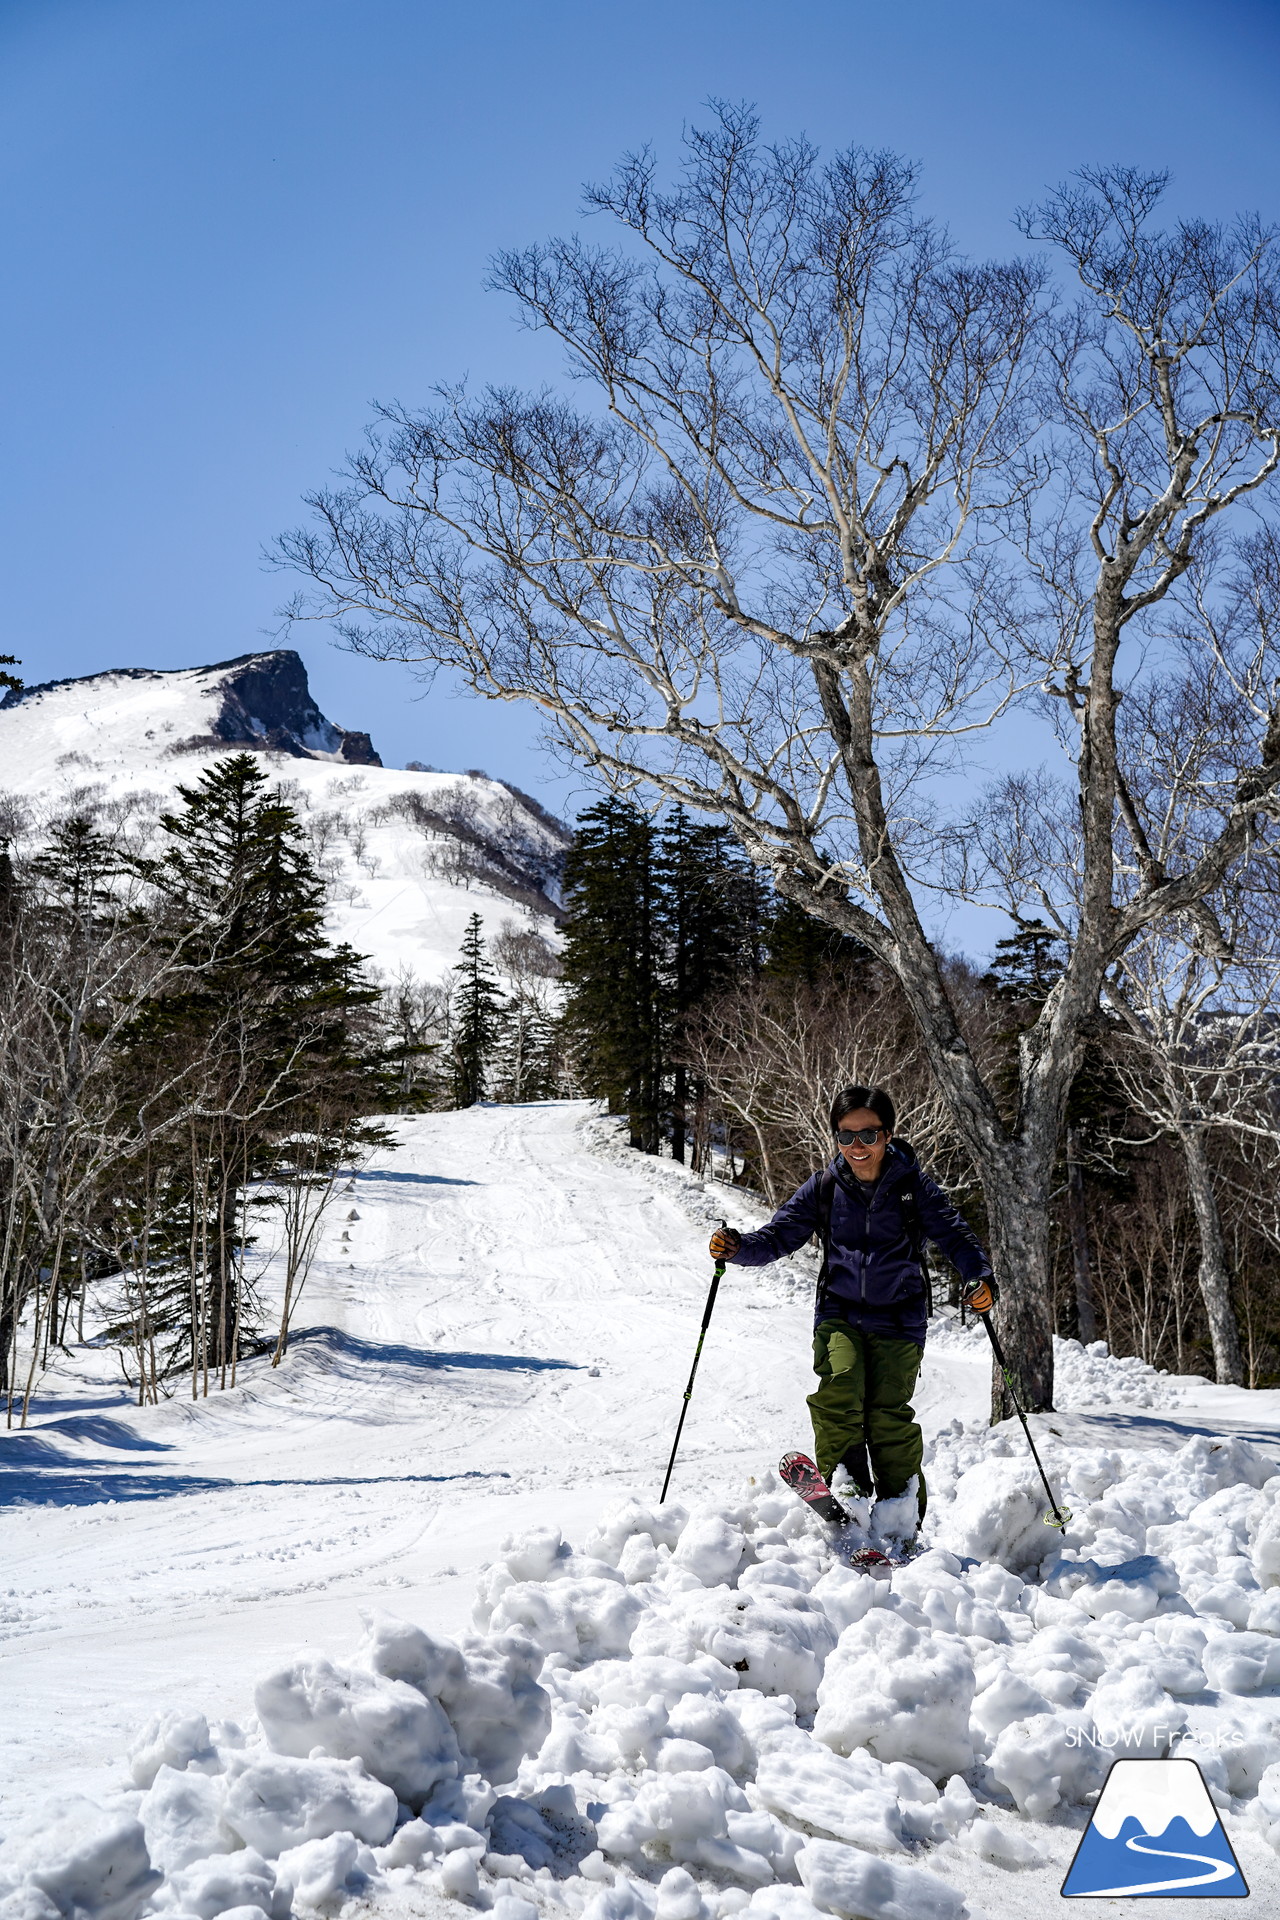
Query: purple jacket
{"x": 873, "y": 1276}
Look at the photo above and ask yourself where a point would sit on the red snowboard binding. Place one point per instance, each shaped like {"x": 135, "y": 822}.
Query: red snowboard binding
{"x": 798, "y": 1472}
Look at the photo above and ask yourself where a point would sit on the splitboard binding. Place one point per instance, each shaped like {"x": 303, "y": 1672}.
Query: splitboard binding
{"x": 800, "y": 1473}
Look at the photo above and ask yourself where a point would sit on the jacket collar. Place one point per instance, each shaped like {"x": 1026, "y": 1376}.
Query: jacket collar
{"x": 897, "y": 1164}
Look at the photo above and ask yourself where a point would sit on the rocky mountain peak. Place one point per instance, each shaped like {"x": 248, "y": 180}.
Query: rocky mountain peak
{"x": 255, "y": 700}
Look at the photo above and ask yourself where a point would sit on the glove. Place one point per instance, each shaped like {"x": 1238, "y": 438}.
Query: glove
{"x": 980, "y": 1295}
{"x": 725, "y": 1243}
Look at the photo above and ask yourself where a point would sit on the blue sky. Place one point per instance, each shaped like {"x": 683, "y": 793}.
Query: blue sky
{"x": 228, "y": 225}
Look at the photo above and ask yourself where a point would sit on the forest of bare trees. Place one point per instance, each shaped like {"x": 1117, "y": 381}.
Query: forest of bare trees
{"x": 1162, "y": 1213}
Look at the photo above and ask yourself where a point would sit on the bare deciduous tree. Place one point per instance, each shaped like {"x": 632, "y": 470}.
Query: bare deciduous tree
{"x": 1203, "y": 1057}
{"x": 771, "y": 566}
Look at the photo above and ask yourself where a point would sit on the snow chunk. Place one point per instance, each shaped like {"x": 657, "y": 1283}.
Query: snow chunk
{"x": 458, "y": 1874}
{"x": 901, "y": 1692}
{"x": 486, "y": 1684}
{"x": 499, "y": 1711}
{"x": 224, "y": 1881}
{"x": 86, "y": 1861}
{"x": 660, "y": 1525}
{"x": 279, "y": 1803}
{"x": 845, "y": 1881}
{"x": 1134, "y": 1715}
{"x": 1242, "y": 1662}
{"x": 175, "y": 1740}
{"x": 1006, "y": 1697}
{"x": 997, "y": 1513}
{"x": 689, "y": 1813}
{"x": 1003, "y": 1846}
{"x": 778, "y": 1640}
{"x": 781, "y": 1903}
{"x": 323, "y": 1874}
{"x": 1268, "y": 1808}
{"x": 533, "y": 1554}
{"x": 580, "y": 1620}
{"x": 182, "y": 1817}
{"x": 844, "y": 1595}
{"x": 707, "y": 1719}
{"x": 1045, "y": 1759}
{"x": 848, "y": 1798}
{"x": 404, "y": 1739}
{"x": 710, "y": 1548}
{"x": 1264, "y": 1533}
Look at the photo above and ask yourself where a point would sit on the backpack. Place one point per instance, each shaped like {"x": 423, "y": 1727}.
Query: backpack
{"x": 908, "y": 1201}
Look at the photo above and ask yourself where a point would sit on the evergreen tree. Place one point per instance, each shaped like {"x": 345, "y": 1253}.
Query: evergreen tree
{"x": 478, "y": 1017}
{"x": 1027, "y": 964}
{"x": 76, "y": 865}
{"x": 259, "y": 1046}
{"x": 798, "y": 947}
{"x": 615, "y": 1012}
{"x": 712, "y": 910}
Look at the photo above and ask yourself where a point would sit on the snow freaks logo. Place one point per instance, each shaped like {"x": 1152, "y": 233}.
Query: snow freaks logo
{"x": 1155, "y": 1831}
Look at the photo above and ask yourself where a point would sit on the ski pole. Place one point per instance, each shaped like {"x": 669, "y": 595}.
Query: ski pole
{"x": 1059, "y": 1519}
{"x": 697, "y": 1355}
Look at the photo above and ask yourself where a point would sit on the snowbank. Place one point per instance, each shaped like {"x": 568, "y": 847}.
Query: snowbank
{"x": 700, "y": 1713}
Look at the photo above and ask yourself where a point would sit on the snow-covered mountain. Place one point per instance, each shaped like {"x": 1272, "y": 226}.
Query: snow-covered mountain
{"x": 409, "y": 854}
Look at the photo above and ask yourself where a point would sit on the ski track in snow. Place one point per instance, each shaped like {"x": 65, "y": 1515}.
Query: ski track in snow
{"x": 501, "y": 1345}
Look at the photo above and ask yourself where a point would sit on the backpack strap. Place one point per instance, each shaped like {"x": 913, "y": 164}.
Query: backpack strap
{"x": 826, "y": 1194}
{"x": 909, "y": 1202}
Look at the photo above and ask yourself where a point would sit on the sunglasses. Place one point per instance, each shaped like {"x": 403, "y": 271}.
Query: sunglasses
{"x": 867, "y": 1135}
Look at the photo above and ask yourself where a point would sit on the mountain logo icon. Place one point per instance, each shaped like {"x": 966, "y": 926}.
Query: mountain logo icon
{"x": 1155, "y": 1831}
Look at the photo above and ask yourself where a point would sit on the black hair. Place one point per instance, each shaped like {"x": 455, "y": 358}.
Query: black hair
{"x": 849, "y": 1099}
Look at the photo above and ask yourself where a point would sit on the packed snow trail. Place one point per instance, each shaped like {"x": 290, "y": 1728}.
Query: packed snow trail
{"x": 503, "y": 1339}
{"x": 493, "y": 1343}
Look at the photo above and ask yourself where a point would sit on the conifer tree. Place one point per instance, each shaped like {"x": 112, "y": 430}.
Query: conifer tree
{"x": 265, "y": 1024}
{"x": 615, "y": 1015}
{"x": 711, "y": 907}
{"x": 1027, "y": 964}
{"x": 800, "y": 948}
{"x": 479, "y": 1014}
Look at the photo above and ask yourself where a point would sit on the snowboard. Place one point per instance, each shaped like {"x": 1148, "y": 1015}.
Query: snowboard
{"x": 799, "y": 1473}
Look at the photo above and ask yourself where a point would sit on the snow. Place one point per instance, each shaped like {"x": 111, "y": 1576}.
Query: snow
{"x": 403, "y": 1623}
{"x": 116, "y": 740}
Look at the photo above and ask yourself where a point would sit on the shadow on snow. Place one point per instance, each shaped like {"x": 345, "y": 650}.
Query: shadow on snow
{"x": 37, "y": 1472}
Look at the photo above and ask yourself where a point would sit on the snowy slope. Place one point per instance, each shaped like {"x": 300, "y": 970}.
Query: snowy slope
{"x": 123, "y": 741}
{"x": 497, "y": 1351}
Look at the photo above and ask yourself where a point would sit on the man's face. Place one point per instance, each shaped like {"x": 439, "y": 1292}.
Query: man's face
{"x": 864, "y": 1161}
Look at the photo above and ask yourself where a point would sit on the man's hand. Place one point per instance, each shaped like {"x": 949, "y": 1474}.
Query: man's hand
{"x": 725, "y": 1243}
{"x": 980, "y": 1295}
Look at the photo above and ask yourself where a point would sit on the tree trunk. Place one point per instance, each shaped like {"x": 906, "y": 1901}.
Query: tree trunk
{"x": 679, "y": 1098}
{"x": 7, "y": 1322}
{"x": 226, "y": 1277}
{"x": 1078, "y": 1220}
{"x": 1215, "y": 1276}
{"x": 1016, "y": 1193}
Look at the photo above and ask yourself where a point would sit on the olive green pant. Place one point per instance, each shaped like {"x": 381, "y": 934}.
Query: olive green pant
{"x": 861, "y": 1411}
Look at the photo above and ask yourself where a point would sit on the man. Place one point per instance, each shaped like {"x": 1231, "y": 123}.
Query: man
{"x": 871, "y": 1208}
